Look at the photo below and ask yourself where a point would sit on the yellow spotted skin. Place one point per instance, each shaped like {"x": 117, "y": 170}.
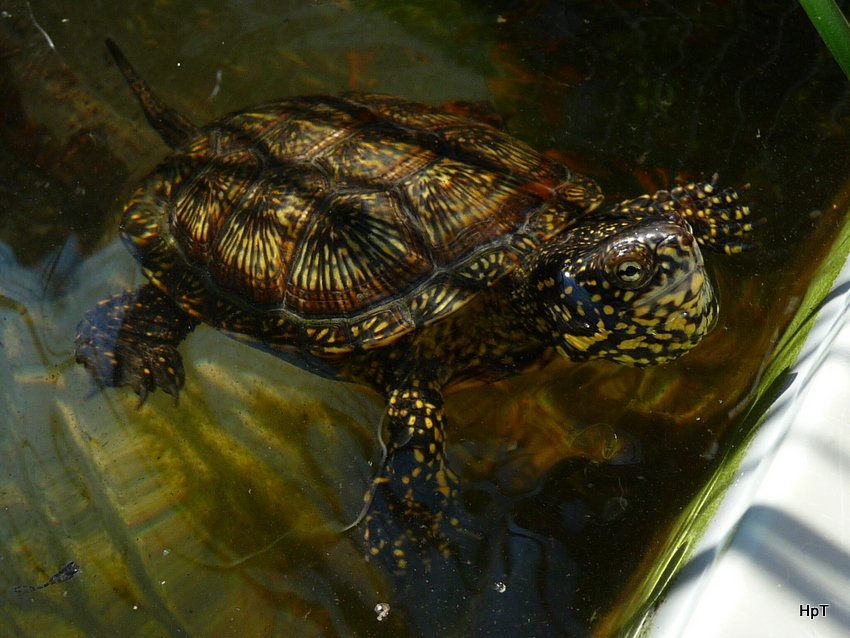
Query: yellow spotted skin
{"x": 409, "y": 249}
{"x": 417, "y": 488}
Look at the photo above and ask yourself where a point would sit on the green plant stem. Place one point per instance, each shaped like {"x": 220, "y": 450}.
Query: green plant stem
{"x": 833, "y": 29}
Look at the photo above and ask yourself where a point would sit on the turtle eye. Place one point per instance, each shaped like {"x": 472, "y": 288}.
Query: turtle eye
{"x": 630, "y": 266}
{"x": 630, "y": 272}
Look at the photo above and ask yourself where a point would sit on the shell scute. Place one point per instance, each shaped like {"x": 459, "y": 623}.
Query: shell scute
{"x": 377, "y": 155}
{"x": 357, "y": 250}
{"x": 204, "y": 204}
{"x": 300, "y": 129}
{"x": 488, "y": 146}
{"x": 456, "y": 203}
{"x": 340, "y": 223}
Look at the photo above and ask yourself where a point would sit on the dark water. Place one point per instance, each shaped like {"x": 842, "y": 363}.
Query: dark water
{"x": 224, "y": 515}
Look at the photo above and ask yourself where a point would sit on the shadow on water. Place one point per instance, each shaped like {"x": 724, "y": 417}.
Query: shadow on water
{"x": 779, "y": 544}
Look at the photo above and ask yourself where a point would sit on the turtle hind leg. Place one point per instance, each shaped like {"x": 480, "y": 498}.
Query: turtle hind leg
{"x": 414, "y": 503}
{"x": 131, "y": 339}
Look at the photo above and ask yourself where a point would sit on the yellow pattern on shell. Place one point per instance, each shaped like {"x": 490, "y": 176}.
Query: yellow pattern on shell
{"x": 364, "y": 217}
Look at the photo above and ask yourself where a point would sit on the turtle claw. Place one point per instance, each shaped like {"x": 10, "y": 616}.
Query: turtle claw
{"x": 131, "y": 339}
{"x": 146, "y": 368}
{"x": 168, "y": 371}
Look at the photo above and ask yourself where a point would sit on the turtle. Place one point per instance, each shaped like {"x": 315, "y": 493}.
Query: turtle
{"x": 410, "y": 248}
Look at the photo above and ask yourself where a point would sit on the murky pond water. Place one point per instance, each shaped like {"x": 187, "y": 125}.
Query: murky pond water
{"x": 225, "y": 514}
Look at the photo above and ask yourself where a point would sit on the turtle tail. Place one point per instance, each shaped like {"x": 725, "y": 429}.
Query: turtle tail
{"x": 172, "y": 127}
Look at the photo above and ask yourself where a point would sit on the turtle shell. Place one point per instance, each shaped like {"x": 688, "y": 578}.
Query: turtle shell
{"x": 337, "y": 223}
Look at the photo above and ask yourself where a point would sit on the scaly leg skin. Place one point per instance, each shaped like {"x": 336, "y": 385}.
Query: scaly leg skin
{"x": 719, "y": 220}
{"x": 131, "y": 339}
{"x": 414, "y": 506}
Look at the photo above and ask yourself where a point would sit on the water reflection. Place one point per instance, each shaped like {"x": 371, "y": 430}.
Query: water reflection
{"x": 224, "y": 514}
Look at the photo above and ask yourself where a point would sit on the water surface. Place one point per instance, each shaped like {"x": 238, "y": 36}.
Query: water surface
{"x": 224, "y": 515}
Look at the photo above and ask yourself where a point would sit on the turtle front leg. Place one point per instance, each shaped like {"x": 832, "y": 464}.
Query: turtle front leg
{"x": 131, "y": 339}
{"x": 414, "y": 498}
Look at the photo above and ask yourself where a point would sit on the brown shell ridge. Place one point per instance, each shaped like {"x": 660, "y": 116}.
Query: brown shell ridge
{"x": 378, "y": 325}
{"x": 451, "y": 141}
{"x": 338, "y": 223}
{"x": 435, "y": 297}
{"x": 364, "y": 109}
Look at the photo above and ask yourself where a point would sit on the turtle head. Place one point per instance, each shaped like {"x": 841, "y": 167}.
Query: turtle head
{"x": 628, "y": 285}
